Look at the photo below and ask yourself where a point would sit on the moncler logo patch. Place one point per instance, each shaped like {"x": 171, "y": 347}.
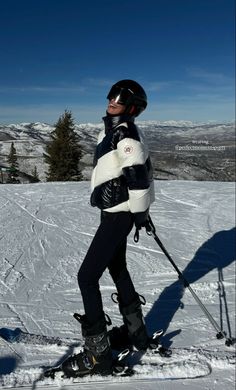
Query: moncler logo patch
{"x": 128, "y": 149}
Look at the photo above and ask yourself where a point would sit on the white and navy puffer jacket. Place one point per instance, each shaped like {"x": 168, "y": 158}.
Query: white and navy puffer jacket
{"x": 122, "y": 176}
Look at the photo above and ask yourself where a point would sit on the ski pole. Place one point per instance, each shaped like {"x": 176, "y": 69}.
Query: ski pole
{"x": 11, "y": 348}
{"x": 151, "y": 231}
{"x": 222, "y": 297}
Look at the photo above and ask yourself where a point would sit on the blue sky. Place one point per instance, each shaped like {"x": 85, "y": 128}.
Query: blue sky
{"x": 65, "y": 54}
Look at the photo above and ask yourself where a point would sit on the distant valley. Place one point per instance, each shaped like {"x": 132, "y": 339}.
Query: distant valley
{"x": 179, "y": 150}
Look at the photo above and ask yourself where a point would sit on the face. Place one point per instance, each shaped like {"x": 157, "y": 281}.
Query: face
{"x": 114, "y": 108}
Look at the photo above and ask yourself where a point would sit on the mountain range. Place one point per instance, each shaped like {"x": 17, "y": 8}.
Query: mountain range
{"x": 180, "y": 150}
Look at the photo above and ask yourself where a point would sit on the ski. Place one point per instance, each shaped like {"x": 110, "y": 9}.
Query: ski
{"x": 19, "y": 336}
{"x": 184, "y": 363}
{"x": 10, "y": 336}
{"x": 119, "y": 366}
{"x": 134, "y": 370}
{"x": 124, "y": 364}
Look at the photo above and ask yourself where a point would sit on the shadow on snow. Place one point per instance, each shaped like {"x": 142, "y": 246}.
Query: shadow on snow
{"x": 216, "y": 253}
{"x": 7, "y": 365}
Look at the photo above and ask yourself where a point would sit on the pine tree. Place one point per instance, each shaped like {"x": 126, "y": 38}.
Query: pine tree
{"x": 14, "y": 167}
{"x": 35, "y": 175}
{"x": 63, "y": 152}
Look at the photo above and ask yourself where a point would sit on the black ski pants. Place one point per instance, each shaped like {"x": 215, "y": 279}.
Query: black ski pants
{"x": 107, "y": 250}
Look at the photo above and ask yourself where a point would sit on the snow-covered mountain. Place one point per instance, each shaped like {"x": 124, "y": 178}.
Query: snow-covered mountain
{"x": 45, "y": 232}
{"x": 179, "y": 150}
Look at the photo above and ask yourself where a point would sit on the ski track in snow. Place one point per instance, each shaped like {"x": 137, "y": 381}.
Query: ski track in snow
{"x": 45, "y": 231}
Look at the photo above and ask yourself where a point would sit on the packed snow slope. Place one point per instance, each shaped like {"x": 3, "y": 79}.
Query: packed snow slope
{"x": 45, "y": 231}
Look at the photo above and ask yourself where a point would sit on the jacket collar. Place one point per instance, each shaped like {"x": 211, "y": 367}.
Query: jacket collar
{"x": 111, "y": 122}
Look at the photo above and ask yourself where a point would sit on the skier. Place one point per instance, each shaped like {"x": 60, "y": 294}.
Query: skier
{"x": 122, "y": 187}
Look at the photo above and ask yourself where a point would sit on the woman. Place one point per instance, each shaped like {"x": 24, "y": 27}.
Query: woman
{"x": 122, "y": 187}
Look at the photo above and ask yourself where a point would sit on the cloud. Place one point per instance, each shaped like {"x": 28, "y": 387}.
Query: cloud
{"x": 191, "y": 109}
{"x": 99, "y": 82}
{"x": 43, "y": 89}
{"x": 191, "y": 98}
{"x": 181, "y": 108}
{"x": 209, "y": 77}
{"x": 49, "y": 113}
{"x": 88, "y": 86}
{"x": 156, "y": 86}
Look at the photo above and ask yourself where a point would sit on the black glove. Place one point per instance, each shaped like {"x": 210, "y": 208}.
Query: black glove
{"x": 141, "y": 219}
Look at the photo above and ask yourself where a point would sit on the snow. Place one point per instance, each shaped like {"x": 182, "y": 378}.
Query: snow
{"x": 202, "y": 142}
{"x": 45, "y": 231}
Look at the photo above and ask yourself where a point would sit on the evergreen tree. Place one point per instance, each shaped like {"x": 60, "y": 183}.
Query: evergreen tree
{"x": 35, "y": 175}
{"x": 14, "y": 167}
{"x": 63, "y": 152}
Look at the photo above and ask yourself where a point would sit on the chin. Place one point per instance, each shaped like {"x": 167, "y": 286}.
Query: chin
{"x": 111, "y": 112}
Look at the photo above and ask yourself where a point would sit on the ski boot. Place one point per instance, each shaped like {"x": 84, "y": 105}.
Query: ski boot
{"x": 133, "y": 333}
{"x": 96, "y": 358}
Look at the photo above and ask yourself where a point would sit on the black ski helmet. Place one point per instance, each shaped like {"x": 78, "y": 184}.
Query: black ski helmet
{"x": 131, "y": 94}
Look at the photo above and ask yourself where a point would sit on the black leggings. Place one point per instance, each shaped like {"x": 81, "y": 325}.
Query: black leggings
{"x": 107, "y": 250}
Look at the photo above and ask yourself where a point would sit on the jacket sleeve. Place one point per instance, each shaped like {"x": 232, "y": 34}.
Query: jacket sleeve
{"x": 133, "y": 157}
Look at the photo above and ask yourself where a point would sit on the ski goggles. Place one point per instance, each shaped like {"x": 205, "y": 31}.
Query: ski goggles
{"x": 120, "y": 95}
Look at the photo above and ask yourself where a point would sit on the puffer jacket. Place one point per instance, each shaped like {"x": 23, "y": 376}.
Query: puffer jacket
{"x": 122, "y": 177}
